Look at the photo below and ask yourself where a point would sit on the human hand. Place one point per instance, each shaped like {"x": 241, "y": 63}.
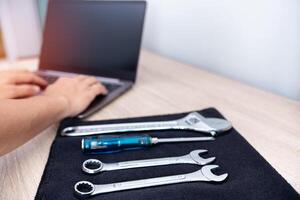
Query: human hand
{"x": 20, "y": 84}
{"x": 77, "y": 93}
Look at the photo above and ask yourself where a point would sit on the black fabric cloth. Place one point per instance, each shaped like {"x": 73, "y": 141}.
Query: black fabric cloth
{"x": 250, "y": 175}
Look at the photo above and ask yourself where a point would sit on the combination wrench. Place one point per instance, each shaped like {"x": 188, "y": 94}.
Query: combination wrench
{"x": 86, "y": 189}
{"x": 93, "y": 166}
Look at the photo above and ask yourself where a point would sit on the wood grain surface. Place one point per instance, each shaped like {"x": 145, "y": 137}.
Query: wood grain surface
{"x": 269, "y": 122}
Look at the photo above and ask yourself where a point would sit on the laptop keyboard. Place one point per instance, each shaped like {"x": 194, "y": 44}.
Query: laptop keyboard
{"x": 110, "y": 87}
{"x": 51, "y": 79}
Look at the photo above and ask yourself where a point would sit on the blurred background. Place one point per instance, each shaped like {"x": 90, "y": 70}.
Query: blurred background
{"x": 253, "y": 41}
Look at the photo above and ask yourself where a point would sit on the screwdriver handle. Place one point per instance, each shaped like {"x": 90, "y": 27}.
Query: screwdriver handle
{"x": 108, "y": 144}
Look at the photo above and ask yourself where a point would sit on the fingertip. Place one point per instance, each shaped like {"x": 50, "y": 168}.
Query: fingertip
{"x": 41, "y": 81}
{"x": 105, "y": 92}
{"x": 30, "y": 90}
{"x": 45, "y": 84}
{"x": 36, "y": 89}
{"x": 98, "y": 89}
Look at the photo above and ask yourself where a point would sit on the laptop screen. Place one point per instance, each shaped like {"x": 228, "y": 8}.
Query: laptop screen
{"x": 100, "y": 38}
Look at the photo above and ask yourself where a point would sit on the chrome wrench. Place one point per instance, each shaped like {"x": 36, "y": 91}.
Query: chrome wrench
{"x": 86, "y": 189}
{"x": 93, "y": 166}
{"x": 193, "y": 121}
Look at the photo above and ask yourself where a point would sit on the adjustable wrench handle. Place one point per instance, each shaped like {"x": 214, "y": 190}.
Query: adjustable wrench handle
{"x": 118, "y": 128}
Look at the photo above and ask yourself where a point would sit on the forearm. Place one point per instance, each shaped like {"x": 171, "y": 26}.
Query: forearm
{"x": 21, "y": 120}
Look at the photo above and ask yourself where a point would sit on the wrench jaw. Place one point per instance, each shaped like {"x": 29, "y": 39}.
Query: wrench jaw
{"x": 84, "y": 189}
{"x": 219, "y": 125}
{"x": 206, "y": 172}
{"x": 196, "y": 122}
{"x": 198, "y": 159}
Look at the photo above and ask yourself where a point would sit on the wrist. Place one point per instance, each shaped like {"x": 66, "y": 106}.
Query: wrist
{"x": 61, "y": 103}
{"x": 65, "y": 106}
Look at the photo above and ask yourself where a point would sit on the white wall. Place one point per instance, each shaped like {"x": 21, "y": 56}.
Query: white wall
{"x": 21, "y": 28}
{"x": 255, "y": 41}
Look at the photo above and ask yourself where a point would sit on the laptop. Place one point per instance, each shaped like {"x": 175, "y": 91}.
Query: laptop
{"x": 98, "y": 38}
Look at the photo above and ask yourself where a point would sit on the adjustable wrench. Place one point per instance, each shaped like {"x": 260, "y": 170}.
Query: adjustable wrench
{"x": 193, "y": 121}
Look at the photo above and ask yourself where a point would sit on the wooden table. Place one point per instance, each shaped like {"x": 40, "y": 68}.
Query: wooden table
{"x": 269, "y": 122}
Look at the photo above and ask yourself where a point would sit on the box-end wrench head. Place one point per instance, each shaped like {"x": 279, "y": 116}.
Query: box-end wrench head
{"x": 92, "y": 166}
{"x": 84, "y": 189}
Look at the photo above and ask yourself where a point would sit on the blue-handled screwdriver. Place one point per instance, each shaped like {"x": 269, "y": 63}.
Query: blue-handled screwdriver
{"x": 109, "y": 144}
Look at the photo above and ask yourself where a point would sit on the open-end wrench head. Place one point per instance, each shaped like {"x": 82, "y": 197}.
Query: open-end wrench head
{"x": 84, "y": 189}
{"x": 196, "y": 122}
{"x": 197, "y": 158}
{"x": 206, "y": 171}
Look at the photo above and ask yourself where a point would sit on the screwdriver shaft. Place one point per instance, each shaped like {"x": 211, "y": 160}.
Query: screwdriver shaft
{"x": 181, "y": 139}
